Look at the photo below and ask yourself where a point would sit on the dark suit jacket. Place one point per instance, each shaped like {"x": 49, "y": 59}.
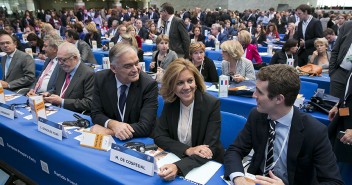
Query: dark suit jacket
{"x": 53, "y": 77}
{"x": 201, "y": 38}
{"x": 342, "y": 151}
{"x": 209, "y": 71}
{"x": 141, "y": 103}
{"x": 155, "y": 17}
{"x": 206, "y": 126}
{"x": 211, "y": 43}
{"x": 79, "y": 94}
{"x": 21, "y": 72}
{"x": 314, "y": 30}
{"x": 341, "y": 47}
{"x": 109, "y": 32}
{"x": 310, "y": 159}
{"x": 179, "y": 37}
{"x": 96, "y": 37}
{"x": 143, "y": 33}
{"x": 87, "y": 55}
{"x": 280, "y": 58}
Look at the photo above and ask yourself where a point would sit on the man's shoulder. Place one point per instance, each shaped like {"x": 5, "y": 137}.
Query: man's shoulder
{"x": 145, "y": 79}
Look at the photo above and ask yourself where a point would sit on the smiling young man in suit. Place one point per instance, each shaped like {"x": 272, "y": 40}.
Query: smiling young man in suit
{"x": 75, "y": 82}
{"x": 125, "y": 98}
{"x": 290, "y": 147}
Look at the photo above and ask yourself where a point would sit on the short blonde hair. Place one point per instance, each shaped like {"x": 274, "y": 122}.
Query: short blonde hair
{"x": 130, "y": 28}
{"x": 196, "y": 47}
{"x": 91, "y": 27}
{"x": 233, "y": 48}
{"x": 321, "y": 41}
{"x": 131, "y": 39}
{"x": 244, "y": 36}
{"x": 162, "y": 37}
{"x": 172, "y": 74}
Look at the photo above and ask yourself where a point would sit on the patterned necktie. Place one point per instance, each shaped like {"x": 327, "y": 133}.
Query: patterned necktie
{"x": 165, "y": 28}
{"x": 122, "y": 99}
{"x": 67, "y": 82}
{"x": 269, "y": 165}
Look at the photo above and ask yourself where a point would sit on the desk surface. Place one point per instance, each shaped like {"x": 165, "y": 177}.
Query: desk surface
{"x": 27, "y": 150}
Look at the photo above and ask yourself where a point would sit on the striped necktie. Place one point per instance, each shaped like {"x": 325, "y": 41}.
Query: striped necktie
{"x": 269, "y": 164}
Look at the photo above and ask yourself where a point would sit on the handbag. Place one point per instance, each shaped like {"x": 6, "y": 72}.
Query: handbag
{"x": 310, "y": 69}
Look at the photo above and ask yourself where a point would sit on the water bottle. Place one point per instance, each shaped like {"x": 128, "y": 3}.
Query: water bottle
{"x": 217, "y": 45}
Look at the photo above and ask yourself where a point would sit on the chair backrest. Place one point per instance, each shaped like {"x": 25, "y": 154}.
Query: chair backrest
{"x": 231, "y": 125}
{"x": 98, "y": 57}
{"x": 308, "y": 89}
{"x": 160, "y": 105}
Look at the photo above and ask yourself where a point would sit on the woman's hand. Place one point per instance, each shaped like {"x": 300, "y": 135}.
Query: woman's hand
{"x": 238, "y": 78}
{"x": 152, "y": 65}
{"x": 168, "y": 172}
{"x": 201, "y": 150}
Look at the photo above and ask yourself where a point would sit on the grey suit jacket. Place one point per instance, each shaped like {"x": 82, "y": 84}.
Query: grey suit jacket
{"x": 179, "y": 38}
{"x": 109, "y": 32}
{"x": 79, "y": 94}
{"x": 141, "y": 103}
{"x": 21, "y": 72}
{"x": 53, "y": 77}
{"x": 171, "y": 56}
{"x": 341, "y": 47}
{"x": 86, "y": 52}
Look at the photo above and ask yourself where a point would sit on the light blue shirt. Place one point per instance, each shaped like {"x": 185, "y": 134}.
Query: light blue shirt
{"x": 282, "y": 130}
{"x": 72, "y": 73}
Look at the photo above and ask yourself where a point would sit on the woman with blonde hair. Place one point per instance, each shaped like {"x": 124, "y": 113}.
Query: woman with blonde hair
{"x": 190, "y": 123}
{"x": 234, "y": 65}
{"x": 251, "y": 51}
{"x": 132, "y": 31}
{"x": 129, "y": 39}
{"x": 321, "y": 56}
{"x": 92, "y": 35}
{"x": 290, "y": 31}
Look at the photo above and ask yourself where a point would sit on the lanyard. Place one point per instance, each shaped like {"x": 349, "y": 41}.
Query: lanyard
{"x": 281, "y": 150}
{"x": 287, "y": 56}
{"x": 183, "y": 140}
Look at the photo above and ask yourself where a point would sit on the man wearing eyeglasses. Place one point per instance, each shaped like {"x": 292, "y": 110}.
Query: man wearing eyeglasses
{"x": 18, "y": 69}
{"x": 125, "y": 98}
{"x": 74, "y": 84}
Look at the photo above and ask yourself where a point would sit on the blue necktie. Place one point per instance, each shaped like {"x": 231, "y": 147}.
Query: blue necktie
{"x": 7, "y": 64}
{"x": 122, "y": 99}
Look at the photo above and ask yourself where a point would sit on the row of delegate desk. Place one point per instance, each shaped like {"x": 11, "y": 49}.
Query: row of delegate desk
{"x": 46, "y": 160}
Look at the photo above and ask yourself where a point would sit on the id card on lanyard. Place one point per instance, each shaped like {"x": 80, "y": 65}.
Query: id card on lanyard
{"x": 289, "y": 61}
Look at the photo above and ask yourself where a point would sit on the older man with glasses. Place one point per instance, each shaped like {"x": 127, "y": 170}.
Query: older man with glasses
{"x": 74, "y": 84}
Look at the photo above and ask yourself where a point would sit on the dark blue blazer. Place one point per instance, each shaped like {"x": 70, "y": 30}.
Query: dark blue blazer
{"x": 221, "y": 38}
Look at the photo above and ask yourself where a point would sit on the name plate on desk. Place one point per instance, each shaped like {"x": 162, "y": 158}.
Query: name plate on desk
{"x": 51, "y": 129}
{"x": 6, "y": 111}
{"x": 132, "y": 159}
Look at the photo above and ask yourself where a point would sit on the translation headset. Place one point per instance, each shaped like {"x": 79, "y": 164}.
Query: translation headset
{"x": 81, "y": 122}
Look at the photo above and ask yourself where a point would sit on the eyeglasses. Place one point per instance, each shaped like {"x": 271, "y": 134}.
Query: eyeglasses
{"x": 63, "y": 60}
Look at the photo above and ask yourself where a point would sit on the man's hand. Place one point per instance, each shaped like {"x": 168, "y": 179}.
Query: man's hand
{"x": 332, "y": 113}
{"x": 53, "y": 99}
{"x": 168, "y": 172}
{"x": 242, "y": 181}
{"x": 101, "y": 130}
{"x": 273, "y": 180}
{"x": 4, "y": 84}
{"x": 347, "y": 138}
{"x": 121, "y": 130}
{"x": 201, "y": 150}
{"x": 31, "y": 93}
{"x": 301, "y": 43}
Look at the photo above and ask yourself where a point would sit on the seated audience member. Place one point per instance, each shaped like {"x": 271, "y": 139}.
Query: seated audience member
{"x": 287, "y": 54}
{"x": 290, "y": 31}
{"x": 113, "y": 31}
{"x": 260, "y": 35}
{"x": 9, "y": 29}
{"x": 79, "y": 28}
{"x": 229, "y": 30}
{"x": 135, "y": 95}
{"x": 140, "y": 30}
{"x": 205, "y": 65}
{"x": 216, "y": 35}
{"x": 120, "y": 30}
{"x": 132, "y": 31}
{"x": 163, "y": 56}
{"x": 92, "y": 35}
{"x": 291, "y": 147}
{"x": 86, "y": 53}
{"x": 190, "y": 123}
{"x": 37, "y": 45}
{"x": 18, "y": 69}
{"x": 329, "y": 34}
{"x": 251, "y": 51}
{"x": 153, "y": 31}
{"x": 271, "y": 32}
{"x": 46, "y": 81}
{"x": 131, "y": 40}
{"x": 74, "y": 84}
{"x": 197, "y": 35}
{"x": 233, "y": 64}
{"x": 321, "y": 56}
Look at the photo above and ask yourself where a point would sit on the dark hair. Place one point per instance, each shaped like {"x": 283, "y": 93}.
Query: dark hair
{"x": 73, "y": 34}
{"x": 282, "y": 79}
{"x": 32, "y": 37}
{"x": 78, "y": 27}
{"x": 168, "y": 8}
{"x": 289, "y": 44}
{"x": 305, "y": 8}
{"x": 3, "y": 32}
{"x": 328, "y": 31}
